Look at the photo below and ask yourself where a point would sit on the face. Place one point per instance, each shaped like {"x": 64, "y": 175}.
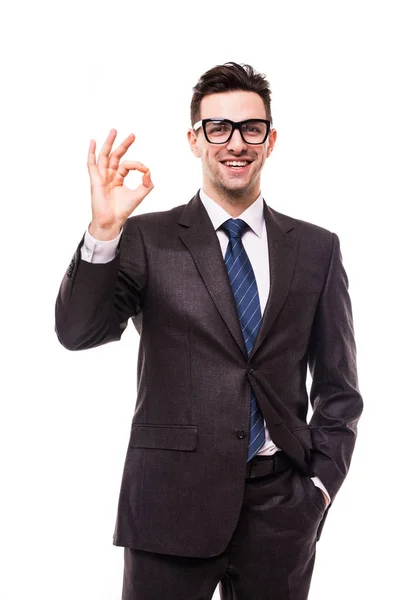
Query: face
{"x": 220, "y": 178}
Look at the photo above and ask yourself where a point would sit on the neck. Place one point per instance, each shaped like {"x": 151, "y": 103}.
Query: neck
{"x": 234, "y": 202}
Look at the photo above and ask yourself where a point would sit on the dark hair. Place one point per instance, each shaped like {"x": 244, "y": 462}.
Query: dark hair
{"x": 227, "y": 78}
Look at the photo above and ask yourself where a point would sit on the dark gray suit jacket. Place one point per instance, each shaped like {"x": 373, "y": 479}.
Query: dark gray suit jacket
{"x": 184, "y": 474}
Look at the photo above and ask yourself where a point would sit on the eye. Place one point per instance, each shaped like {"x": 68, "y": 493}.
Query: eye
{"x": 251, "y": 128}
{"x": 218, "y": 128}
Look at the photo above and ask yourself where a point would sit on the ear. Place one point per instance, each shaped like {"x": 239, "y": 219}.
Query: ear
{"x": 271, "y": 141}
{"x": 193, "y": 143}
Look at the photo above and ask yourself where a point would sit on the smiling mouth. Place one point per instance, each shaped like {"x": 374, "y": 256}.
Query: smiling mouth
{"x": 236, "y": 163}
{"x": 236, "y": 166}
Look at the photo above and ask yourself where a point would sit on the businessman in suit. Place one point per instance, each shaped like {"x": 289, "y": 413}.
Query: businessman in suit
{"x": 224, "y": 482}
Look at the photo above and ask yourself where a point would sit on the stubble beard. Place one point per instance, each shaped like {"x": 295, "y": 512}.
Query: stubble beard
{"x": 236, "y": 195}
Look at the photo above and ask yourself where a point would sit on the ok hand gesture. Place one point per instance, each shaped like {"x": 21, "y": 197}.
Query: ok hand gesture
{"x": 112, "y": 201}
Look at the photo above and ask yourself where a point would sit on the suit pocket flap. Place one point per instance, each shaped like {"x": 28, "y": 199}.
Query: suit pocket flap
{"x": 164, "y": 437}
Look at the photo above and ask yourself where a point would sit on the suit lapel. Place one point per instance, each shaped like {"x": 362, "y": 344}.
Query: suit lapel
{"x": 199, "y": 237}
{"x": 283, "y": 250}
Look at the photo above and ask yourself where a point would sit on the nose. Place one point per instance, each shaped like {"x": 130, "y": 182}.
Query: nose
{"x": 236, "y": 143}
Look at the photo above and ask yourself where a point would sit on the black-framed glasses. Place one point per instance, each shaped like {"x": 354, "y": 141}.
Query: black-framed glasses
{"x": 220, "y": 131}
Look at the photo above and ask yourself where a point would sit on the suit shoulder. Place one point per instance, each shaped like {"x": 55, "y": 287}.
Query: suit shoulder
{"x": 303, "y": 229}
{"x": 151, "y": 220}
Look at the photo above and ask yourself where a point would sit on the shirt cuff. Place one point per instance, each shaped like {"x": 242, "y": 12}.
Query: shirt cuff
{"x": 98, "y": 251}
{"x": 318, "y": 483}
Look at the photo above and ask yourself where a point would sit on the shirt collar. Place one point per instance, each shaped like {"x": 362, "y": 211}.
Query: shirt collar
{"x": 253, "y": 215}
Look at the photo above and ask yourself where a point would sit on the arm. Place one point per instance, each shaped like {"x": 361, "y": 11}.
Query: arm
{"x": 96, "y": 300}
{"x": 98, "y": 251}
{"x": 318, "y": 483}
{"x": 334, "y": 395}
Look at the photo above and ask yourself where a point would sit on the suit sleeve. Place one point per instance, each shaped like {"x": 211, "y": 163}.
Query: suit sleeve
{"x": 95, "y": 301}
{"x": 334, "y": 394}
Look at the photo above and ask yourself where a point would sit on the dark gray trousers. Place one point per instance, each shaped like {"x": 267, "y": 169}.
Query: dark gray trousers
{"x": 270, "y": 556}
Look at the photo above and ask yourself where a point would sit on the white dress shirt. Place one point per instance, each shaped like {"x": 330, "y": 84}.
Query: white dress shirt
{"x": 255, "y": 243}
{"x": 256, "y": 246}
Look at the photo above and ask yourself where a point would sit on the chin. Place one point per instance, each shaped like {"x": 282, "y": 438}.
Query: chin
{"x": 237, "y": 186}
{"x": 236, "y": 191}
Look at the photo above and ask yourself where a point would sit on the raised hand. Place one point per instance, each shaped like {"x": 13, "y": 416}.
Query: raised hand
{"x": 112, "y": 201}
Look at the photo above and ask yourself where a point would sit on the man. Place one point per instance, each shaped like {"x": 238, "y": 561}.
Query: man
{"x": 224, "y": 480}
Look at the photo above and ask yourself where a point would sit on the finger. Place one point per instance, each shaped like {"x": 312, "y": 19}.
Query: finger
{"x": 146, "y": 180}
{"x": 92, "y": 152}
{"x": 144, "y": 189}
{"x": 105, "y": 151}
{"x": 119, "y": 152}
{"x": 91, "y": 161}
{"x": 130, "y": 165}
{"x": 91, "y": 157}
{"x": 106, "y": 148}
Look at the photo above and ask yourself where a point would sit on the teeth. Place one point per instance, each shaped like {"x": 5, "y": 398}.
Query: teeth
{"x": 236, "y": 163}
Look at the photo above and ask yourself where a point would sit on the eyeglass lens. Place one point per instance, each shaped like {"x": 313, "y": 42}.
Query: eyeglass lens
{"x": 253, "y": 132}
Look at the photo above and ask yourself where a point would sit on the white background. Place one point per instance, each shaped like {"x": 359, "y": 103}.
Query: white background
{"x": 70, "y": 73}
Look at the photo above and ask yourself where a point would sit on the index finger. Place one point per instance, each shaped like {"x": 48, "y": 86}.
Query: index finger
{"x": 130, "y": 165}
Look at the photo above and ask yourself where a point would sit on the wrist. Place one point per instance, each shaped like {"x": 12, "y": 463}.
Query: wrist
{"x": 327, "y": 500}
{"x": 104, "y": 233}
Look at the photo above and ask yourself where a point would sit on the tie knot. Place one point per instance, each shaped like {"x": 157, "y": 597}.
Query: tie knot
{"x": 234, "y": 228}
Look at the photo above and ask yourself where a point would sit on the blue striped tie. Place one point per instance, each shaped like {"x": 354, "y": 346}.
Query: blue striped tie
{"x": 245, "y": 292}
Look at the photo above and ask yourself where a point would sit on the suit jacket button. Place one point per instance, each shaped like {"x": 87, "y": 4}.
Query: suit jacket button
{"x": 250, "y": 369}
{"x": 241, "y": 434}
